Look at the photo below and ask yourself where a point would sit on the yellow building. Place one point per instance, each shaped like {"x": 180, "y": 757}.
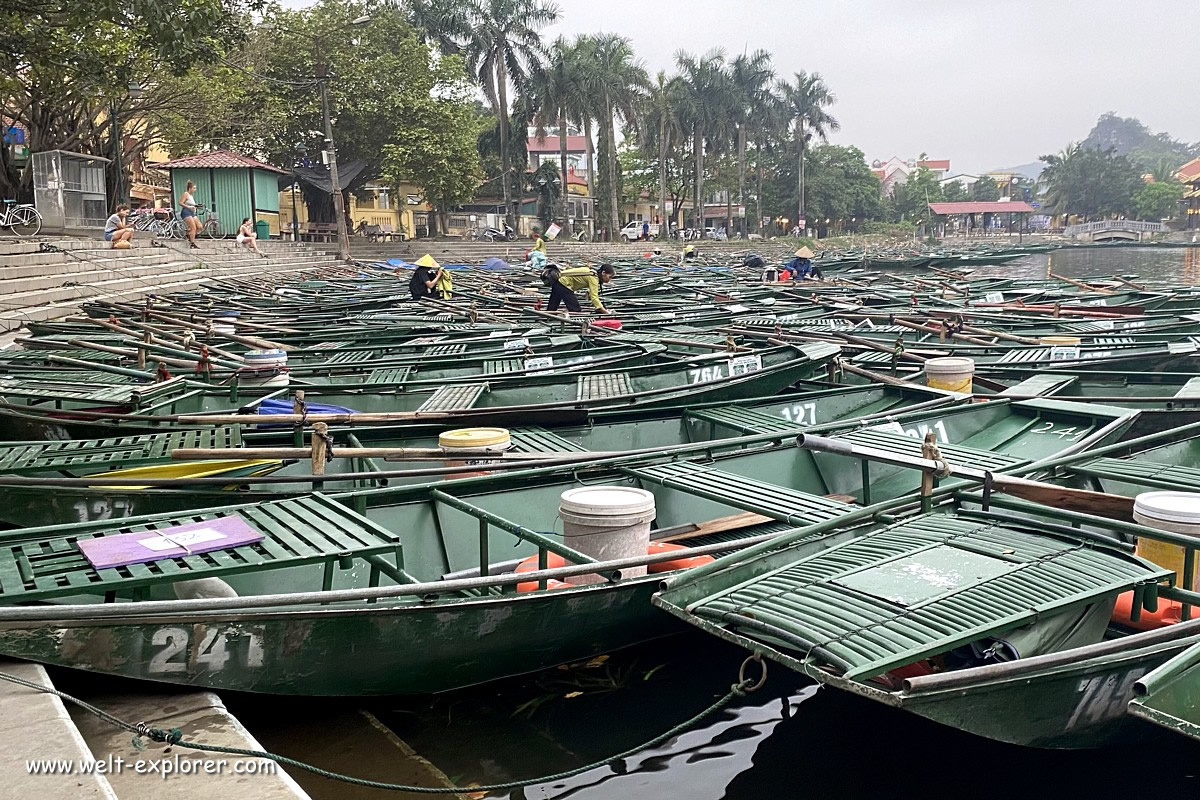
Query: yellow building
{"x": 375, "y": 208}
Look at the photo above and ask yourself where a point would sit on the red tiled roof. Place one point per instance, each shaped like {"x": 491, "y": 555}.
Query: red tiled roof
{"x": 218, "y": 159}
{"x": 575, "y": 144}
{"x": 1007, "y": 207}
{"x": 1189, "y": 171}
{"x": 940, "y": 163}
{"x": 880, "y": 173}
{"x": 573, "y": 179}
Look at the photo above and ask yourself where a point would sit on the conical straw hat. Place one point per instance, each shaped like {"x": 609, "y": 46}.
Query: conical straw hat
{"x": 803, "y": 252}
{"x": 428, "y": 261}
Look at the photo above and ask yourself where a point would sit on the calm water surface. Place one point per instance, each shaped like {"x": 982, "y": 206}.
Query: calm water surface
{"x": 791, "y": 740}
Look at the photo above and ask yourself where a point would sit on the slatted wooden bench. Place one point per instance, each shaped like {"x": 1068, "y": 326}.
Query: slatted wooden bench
{"x": 769, "y": 499}
{"x": 1150, "y": 474}
{"x": 389, "y": 375}
{"x": 603, "y": 385}
{"x": 910, "y": 446}
{"x": 454, "y": 398}
{"x": 297, "y": 532}
{"x": 533, "y": 439}
{"x": 745, "y": 421}
{"x": 88, "y": 456}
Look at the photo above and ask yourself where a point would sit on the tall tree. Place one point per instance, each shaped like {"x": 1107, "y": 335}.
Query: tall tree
{"x": 616, "y": 79}
{"x": 711, "y": 96}
{"x": 751, "y": 77}
{"x": 806, "y": 101}
{"x": 1090, "y": 183}
{"x": 557, "y": 94}
{"x": 985, "y": 190}
{"x": 504, "y": 44}
{"x": 667, "y": 103}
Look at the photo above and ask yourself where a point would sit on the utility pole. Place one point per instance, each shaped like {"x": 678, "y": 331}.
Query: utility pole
{"x": 339, "y": 209}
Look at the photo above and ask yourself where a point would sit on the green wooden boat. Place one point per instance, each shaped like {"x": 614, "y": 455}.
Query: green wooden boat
{"x": 50, "y": 411}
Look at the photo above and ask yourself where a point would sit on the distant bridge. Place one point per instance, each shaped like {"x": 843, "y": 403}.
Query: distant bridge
{"x": 1129, "y": 230}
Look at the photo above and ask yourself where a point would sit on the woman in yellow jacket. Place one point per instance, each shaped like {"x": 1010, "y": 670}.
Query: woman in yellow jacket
{"x": 562, "y": 291}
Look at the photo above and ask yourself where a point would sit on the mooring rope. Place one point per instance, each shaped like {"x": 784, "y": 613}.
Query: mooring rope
{"x": 173, "y": 737}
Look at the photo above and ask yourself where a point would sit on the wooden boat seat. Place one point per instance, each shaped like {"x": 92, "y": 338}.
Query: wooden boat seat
{"x": 1190, "y": 390}
{"x": 100, "y": 455}
{"x": 389, "y": 375}
{"x": 1142, "y": 473}
{"x": 533, "y": 439}
{"x": 745, "y": 420}
{"x": 453, "y": 398}
{"x": 502, "y": 365}
{"x": 352, "y": 356}
{"x": 445, "y": 350}
{"x": 916, "y": 589}
{"x": 771, "y": 500}
{"x": 1040, "y": 385}
{"x": 910, "y": 446}
{"x": 297, "y": 532}
{"x": 602, "y": 385}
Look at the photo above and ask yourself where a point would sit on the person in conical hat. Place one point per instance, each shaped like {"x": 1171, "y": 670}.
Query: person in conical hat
{"x": 427, "y": 279}
{"x": 801, "y": 266}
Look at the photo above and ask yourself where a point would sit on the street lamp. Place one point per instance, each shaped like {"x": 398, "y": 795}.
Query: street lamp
{"x": 134, "y": 91}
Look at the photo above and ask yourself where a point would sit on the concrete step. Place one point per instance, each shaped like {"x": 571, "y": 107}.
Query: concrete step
{"x": 203, "y": 718}
{"x": 55, "y": 274}
{"x": 38, "y": 307}
{"x": 37, "y": 726}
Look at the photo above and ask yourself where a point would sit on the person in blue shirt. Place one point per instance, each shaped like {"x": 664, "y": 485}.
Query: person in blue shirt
{"x": 801, "y": 266}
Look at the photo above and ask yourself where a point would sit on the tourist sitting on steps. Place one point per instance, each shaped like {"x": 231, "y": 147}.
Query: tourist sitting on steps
{"x": 247, "y": 237}
{"x": 118, "y": 230}
{"x": 564, "y": 283}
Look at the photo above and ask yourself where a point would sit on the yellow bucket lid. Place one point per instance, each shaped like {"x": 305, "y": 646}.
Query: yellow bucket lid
{"x": 474, "y": 437}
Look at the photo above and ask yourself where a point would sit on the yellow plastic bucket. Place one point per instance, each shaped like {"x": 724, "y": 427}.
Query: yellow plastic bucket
{"x": 951, "y": 374}
{"x": 1176, "y": 512}
{"x": 478, "y": 441}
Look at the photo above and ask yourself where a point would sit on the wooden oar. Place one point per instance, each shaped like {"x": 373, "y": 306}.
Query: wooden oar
{"x": 1048, "y": 494}
{"x": 1080, "y": 284}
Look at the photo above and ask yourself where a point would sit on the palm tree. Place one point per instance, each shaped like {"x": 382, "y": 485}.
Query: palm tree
{"x": 1058, "y": 175}
{"x": 504, "y": 44}
{"x": 616, "y": 80}
{"x": 751, "y": 77}
{"x": 710, "y": 93}
{"x": 806, "y": 101}
{"x": 667, "y": 104}
{"x": 558, "y": 97}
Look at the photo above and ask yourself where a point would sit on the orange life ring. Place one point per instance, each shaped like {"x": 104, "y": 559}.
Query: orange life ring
{"x": 553, "y": 561}
{"x": 658, "y": 548}
{"x": 1170, "y": 612}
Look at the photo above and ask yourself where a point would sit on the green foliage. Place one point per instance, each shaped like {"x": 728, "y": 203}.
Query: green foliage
{"x": 1090, "y": 183}
{"x": 985, "y": 190}
{"x": 911, "y": 199}
{"x": 954, "y": 192}
{"x": 840, "y": 185}
{"x": 1158, "y": 201}
{"x": 546, "y": 185}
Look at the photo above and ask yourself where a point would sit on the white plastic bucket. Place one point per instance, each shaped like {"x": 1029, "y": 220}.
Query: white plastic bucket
{"x": 476, "y": 440}
{"x": 1177, "y": 512}
{"x": 262, "y": 359}
{"x": 607, "y": 523}
{"x": 269, "y": 376}
{"x": 952, "y": 374}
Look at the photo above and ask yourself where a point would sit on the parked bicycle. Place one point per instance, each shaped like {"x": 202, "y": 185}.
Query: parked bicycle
{"x": 209, "y": 224}
{"x": 20, "y": 218}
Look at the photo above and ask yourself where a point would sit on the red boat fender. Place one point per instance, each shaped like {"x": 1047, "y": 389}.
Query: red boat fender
{"x": 1170, "y": 612}
{"x": 611, "y": 324}
{"x": 553, "y": 561}
{"x": 658, "y": 548}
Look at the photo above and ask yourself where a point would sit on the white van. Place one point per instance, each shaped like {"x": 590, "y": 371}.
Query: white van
{"x": 633, "y": 231}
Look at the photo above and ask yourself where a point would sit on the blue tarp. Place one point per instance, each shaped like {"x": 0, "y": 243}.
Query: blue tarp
{"x": 273, "y": 406}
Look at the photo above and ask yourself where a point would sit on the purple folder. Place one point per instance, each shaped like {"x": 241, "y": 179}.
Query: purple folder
{"x": 106, "y": 552}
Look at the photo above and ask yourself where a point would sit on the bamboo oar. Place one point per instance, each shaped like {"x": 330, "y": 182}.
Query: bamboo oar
{"x": 1048, "y": 494}
{"x": 1081, "y": 284}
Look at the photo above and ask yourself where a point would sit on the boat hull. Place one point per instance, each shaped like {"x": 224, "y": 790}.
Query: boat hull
{"x": 371, "y": 650}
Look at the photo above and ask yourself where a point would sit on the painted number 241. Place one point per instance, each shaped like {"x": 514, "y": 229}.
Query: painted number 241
{"x": 209, "y": 653}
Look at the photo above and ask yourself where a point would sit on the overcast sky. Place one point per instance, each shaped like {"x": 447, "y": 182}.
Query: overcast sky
{"x": 987, "y": 84}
